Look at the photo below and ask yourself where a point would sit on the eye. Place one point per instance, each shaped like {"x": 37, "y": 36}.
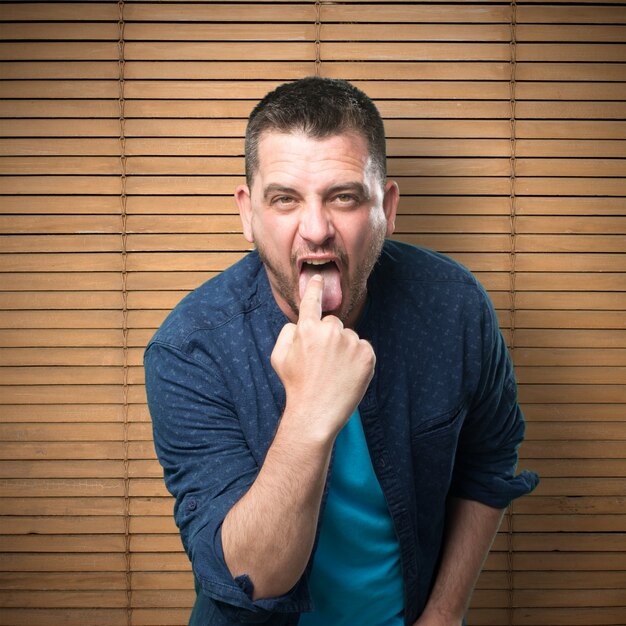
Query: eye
{"x": 346, "y": 199}
{"x": 283, "y": 201}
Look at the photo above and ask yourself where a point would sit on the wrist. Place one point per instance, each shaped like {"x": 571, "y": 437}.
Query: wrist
{"x": 434, "y": 615}
{"x": 314, "y": 429}
{"x": 437, "y": 619}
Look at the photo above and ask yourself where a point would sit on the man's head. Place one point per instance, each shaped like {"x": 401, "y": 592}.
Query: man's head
{"x": 319, "y": 108}
{"x": 317, "y": 200}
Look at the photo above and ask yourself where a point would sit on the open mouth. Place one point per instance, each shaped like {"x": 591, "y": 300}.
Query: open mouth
{"x": 329, "y": 270}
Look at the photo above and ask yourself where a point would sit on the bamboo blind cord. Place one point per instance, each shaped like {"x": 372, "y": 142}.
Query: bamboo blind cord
{"x": 512, "y": 290}
{"x": 318, "y": 37}
{"x": 124, "y": 276}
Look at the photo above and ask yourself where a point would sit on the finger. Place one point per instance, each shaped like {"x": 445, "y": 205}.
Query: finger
{"x": 311, "y": 303}
{"x": 333, "y": 319}
{"x": 283, "y": 343}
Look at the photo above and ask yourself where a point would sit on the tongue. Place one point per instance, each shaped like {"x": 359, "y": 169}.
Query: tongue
{"x": 331, "y": 296}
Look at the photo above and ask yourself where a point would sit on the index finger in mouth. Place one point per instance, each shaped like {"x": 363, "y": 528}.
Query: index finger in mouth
{"x": 311, "y": 303}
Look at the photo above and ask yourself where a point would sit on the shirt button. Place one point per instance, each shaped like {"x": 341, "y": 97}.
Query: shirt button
{"x": 382, "y": 462}
{"x": 191, "y": 505}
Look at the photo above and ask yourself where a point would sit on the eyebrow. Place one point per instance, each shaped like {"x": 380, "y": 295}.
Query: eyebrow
{"x": 274, "y": 188}
{"x": 357, "y": 187}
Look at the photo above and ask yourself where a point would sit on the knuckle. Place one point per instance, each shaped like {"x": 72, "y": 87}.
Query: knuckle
{"x": 367, "y": 350}
{"x": 351, "y": 335}
{"x": 333, "y": 320}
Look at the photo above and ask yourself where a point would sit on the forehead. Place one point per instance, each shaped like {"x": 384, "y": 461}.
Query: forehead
{"x": 297, "y": 154}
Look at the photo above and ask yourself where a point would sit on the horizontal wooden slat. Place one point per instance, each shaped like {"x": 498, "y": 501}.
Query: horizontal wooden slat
{"x": 573, "y": 15}
{"x": 566, "y": 91}
{"x": 62, "y": 469}
{"x": 79, "y": 469}
{"x": 550, "y": 148}
{"x": 59, "y": 599}
{"x": 570, "y": 33}
{"x": 593, "y": 301}
{"x": 66, "y": 51}
{"x": 62, "y": 375}
{"x": 550, "y": 580}
{"x": 569, "y": 411}
{"x": 111, "y": 147}
{"x": 71, "y": 338}
{"x": 571, "y": 375}
{"x": 577, "y": 450}
{"x": 68, "y": 580}
{"x": 553, "y": 393}
{"x": 93, "y": 224}
{"x": 92, "y": 562}
{"x": 576, "y": 431}
{"x": 570, "y": 319}
{"x": 569, "y": 357}
{"x": 59, "y": 11}
{"x": 71, "y": 617}
{"x": 542, "y": 52}
{"x": 67, "y": 30}
{"x": 572, "y": 206}
{"x": 581, "y": 468}
{"x": 543, "y": 561}
{"x": 61, "y": 88}
{"x": 84, "y": 450}
{"x": 100, "y": 357}
{"x": 59, "y": 108}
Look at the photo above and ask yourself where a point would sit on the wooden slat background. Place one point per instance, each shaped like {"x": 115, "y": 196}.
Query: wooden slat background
{"x": 96, "y": 249}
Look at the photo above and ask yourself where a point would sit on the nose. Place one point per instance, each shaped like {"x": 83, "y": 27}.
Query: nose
{"x": 316, "y": 225}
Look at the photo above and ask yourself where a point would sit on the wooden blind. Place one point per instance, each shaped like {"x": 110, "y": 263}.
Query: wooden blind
{"x": 122, "y": 141}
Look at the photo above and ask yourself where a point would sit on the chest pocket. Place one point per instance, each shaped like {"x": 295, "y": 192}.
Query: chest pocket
{"x": 433, "y": 448}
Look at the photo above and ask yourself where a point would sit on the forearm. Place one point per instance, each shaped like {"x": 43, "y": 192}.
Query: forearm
{"x": 269, "y": 533}
{"x": 470, "y": 530}
{"x": 325, "y": 369}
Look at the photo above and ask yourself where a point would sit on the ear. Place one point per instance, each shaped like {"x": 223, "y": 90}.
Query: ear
{"x": 391, "y": 198}
{"x": 242, "y": 198}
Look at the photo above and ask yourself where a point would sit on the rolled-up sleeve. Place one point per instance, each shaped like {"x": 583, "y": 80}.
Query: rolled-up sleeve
{"x": 493, "y": 429}
{"x": 207, "y": 467}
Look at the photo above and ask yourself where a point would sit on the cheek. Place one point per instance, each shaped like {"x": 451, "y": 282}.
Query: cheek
{"x": 276, "y": 236}
{"x": 366, "y": 232}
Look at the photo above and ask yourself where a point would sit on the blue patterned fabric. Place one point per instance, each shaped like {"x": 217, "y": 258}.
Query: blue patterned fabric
{"x": 440, "y": 415}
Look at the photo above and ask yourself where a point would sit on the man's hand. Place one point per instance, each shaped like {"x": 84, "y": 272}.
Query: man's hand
{"x": 324, "y": 367}
{"x": 471, "y": 527}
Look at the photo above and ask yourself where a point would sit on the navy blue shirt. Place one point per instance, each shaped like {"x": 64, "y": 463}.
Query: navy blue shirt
{"x": 440, "y": 415}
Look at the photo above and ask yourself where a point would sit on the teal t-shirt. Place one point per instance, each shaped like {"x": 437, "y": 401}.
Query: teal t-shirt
{"x": 356, "y": 576}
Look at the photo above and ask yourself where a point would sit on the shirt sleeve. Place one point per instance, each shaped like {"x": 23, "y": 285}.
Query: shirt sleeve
{"x": 207, "y": 467}
{"x": 493, "y": 430}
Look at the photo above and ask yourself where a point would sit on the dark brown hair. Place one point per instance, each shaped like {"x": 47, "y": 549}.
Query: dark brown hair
{"x": 318, "y": 107}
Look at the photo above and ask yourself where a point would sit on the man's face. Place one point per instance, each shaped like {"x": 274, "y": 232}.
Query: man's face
{"x": 317, "y": 206}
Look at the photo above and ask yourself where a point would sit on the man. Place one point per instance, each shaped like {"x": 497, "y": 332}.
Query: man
{"x": 336, "y": 415}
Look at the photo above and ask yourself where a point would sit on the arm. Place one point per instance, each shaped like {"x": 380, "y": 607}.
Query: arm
{"x": 269, "y": 534}
{"x": 470, "y": 532}
{"x": 484, "y": 480}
